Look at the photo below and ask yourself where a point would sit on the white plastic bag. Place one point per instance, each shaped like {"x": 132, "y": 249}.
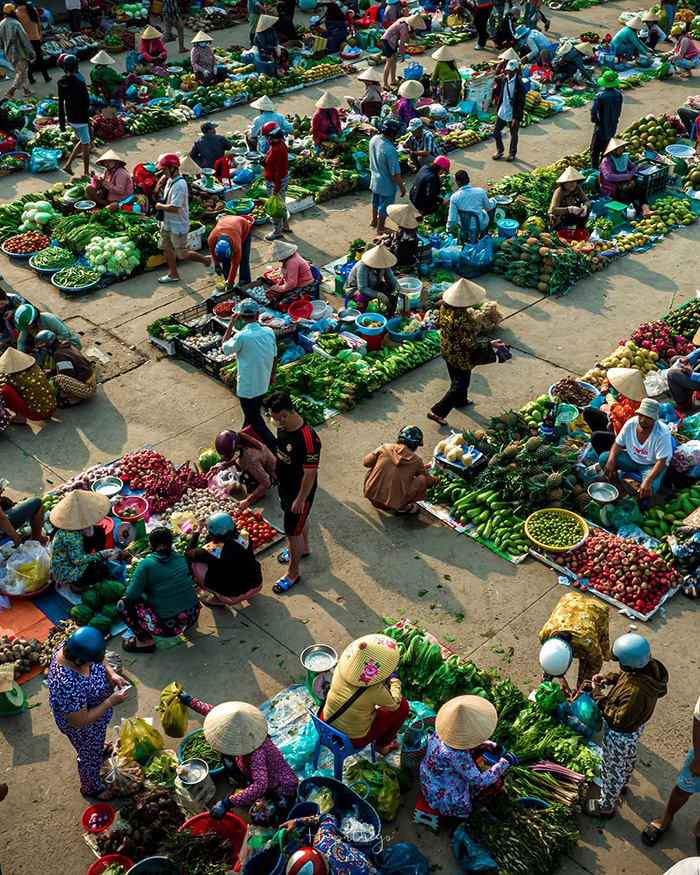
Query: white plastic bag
{"x": 656, "y": 382}
{"x": 27, "y": 569}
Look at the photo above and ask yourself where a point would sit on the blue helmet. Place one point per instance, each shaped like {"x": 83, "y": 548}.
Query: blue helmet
{"x": 45, "y": 336}
{"x": 87, "y": 644}
{"x": 631, "y": 650}
{"x": 222, "y": 249}
{"x": 411, "y": 434}
{"x": 220, "y": 523}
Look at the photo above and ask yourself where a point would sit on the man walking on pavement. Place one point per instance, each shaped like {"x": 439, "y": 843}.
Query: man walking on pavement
{"x": 511, "y": 105}
{"x": 605, "y": 115}
{"x": 385, "y": 172}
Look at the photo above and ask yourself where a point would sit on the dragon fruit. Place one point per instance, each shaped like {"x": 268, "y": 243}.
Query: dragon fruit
{"x": 657, "y": 337}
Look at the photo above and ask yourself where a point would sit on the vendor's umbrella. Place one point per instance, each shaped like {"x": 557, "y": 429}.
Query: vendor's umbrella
{"x": 402, "y": 215}
{"x": 12, "y": 361}
{"x": 235, "y": 728}
{"x": 466, "y": 722}
{"x": 628, "y": 382}
{"x": 378, "y": 257}
{"x": 79, "y": 510}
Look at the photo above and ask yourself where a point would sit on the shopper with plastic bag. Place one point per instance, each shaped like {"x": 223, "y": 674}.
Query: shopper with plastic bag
{"x": 83, "y": 690}
{"x": 626, "y": 708}
{"x": 27, "y": 570}
{"x": 276, "y": 174}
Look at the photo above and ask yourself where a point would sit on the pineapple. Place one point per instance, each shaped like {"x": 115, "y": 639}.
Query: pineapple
{"x": 480, "y": 435}
{"x": 556, "y": 495}
{"x": 554, "y": 481}
{"x": 512, "y": 419}
{"x": 543, "y": 452}
{"x": 495, "y": 460}
{"x": 534, "y": 443}
{"x": 511, "y": 451}
{"x": 540, "y": 479}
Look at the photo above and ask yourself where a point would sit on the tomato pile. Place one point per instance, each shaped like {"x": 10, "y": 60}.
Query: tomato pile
{"x": 25, "y": 244}
{"x": 144, "y": 465}
{"x": 260, "y": 531}
{"x": 622, "y": 570}
{"x": 225, "y": 309}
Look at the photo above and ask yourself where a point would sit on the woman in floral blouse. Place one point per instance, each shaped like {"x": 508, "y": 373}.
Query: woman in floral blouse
{"x": 458, "y": 330}
{"x": 24, "y": 388}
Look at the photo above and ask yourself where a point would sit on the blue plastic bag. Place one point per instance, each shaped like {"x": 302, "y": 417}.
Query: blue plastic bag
{"x": 402, "y": 859}
{"x": 43, "y": 160}
{"x": 470, "y": 853}
{"x": 582, "y": 715}
{"x": 475, "y": 258}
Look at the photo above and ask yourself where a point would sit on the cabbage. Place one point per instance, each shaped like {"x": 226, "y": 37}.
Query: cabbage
{"x": 207, "y": 460}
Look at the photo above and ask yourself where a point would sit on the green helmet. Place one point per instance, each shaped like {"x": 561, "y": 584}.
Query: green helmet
{"x": 411, "y": 434}
{"x": 25, "y": 314}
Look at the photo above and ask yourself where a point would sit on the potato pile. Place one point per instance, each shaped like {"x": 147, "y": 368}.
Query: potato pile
{"x": 57, "y": 635}
{"x": 22, "y": 652}
{"x": 627, "y": 355}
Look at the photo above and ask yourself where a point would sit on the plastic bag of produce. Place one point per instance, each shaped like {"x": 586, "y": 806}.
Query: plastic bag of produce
{"x": 656, "y": 383}
{"x": 474, "y": 259}
{"x": 139, "y": 741}
{"x": 43, "y": 160}
{"x": 470, "y": 853}
{"x": 174, "y": 716}
{"x": 122, "y": 776}
{"x": 402, "y": 859}
{"x": 625, "y": 513}
{"x": 27, "y": 569}
{"x": 386, "y": 785}
{"x": 274, "y": 207}
{"x": 582, "y": 715}
{"x": 549, "y": 696}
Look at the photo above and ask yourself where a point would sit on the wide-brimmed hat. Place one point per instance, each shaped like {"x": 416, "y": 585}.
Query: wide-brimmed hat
{"x": 444, "y": 53}
{"x": 188, "y": 166}
{"x": 368, "y": 75}
{"x": 235, "y": 728}
{"x": 464, "y": 293}
{"x": 693, "y": 519}
{"x": 466, "y": 722}
{"x": 509, "y": 55}
{"x": 151, "y": 33}
{"x": 650, "y": 408}
{"x": 417, "y": 22}
{"x": 411, "y": 89}
{"x": 585, "y": 49}
{"x": 326, "y": 101}
{"x": 202, "y": 37}
{"x": 571, "y": 175}
{"x": 103, "y": 58}
{"x": 402, "y": 215}
{"x": 650, "y": 16}
{"x": 12, "y": 361}
{"x": 614, "y": 144}
{"x": 280, "y": 250}
{"x": 628, "y": 382}
{"x": 609, "y": 79}
{"x": 378, "y": 257}
{"x": 110, "y": 155}
{"x": 264, "y": 104}
{"x": 369, "y": 660}
{"x": 265, "y": 22}
{"x": 635, "y": 23}
{"x": 522, "y": 31}
{"x": 79, "y": 510}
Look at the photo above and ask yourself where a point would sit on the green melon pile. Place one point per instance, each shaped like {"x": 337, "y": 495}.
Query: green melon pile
{"x": 98, "y": 607}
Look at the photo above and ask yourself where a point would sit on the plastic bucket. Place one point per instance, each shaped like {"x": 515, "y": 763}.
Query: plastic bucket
{"x": 230, "y": 827}
{"x": 154, "y": 864}
{"x": 320, "y": 310}
{"x": 507, "y": 227}
{"x": 394, "y": 323}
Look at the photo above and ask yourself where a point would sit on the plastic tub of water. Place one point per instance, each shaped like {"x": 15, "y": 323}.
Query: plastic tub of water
{"x": 320, "y": 310}
{"x": 508, "y": 228}
{"x": 348, "y": 315}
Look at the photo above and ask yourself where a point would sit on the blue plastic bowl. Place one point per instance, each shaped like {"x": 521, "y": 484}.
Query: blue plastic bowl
{"x": 181, "y": 758}
{"x": 532, "y": 803}
{"x": 397, "y": 336}
{"x": 581, "y": 383}
{"x": 493, "y": 756}
{"x": 367, "y": 330}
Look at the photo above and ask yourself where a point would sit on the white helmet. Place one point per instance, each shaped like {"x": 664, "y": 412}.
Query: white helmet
{"x": 556, "y": 657}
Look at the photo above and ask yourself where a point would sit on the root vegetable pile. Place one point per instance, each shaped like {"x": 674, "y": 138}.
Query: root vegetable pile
{"x": 22, "y": 652}
{"x": 150, "y": 817}
{"x": 556, "y": 529}
{"x": 57, "y": 635}
{"x": 570, "y": 391}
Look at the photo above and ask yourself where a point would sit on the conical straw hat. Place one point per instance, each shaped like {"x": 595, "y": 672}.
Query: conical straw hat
{"x": 235, "y": 728}
{"x": 280, "y": 250}
{"x": 571, "y": 175}
{"x": 379, "y": 257}
{"x": 444, "y": 53}
{"x": 202, "y": 37}
{"x": 326, "y": 101}
{"x": 650, "y": 16}
{"x": 264, "y": 104}
{"x": 417, "y": 22}
{"x": 509, "y": 55}
{"x": 264, "y": 22}
{"x": 635, "y": 23}
{"x": 628, "y": 382}
{"x": 614, "y": 144}
{"x": 369, "y": 660}
{"x": 464, "y": 293}
{"x": 103, "y": 58}
{"x": 411, "y": 89}
{"x": 402, "y": 215}
{"x": 585, "y": 49}
{"x": 79, "y": 510}
{"x": 696, "y": 338}
{"x": 466, "y": 722}
{"x": 12, "y": 361}
{"x": 188, "y": 166}
{"x": 151, "y": 33}
{"x": 368, "y": 75}
{"x": 693, "y": 519}
{"x": 110, "y": 155}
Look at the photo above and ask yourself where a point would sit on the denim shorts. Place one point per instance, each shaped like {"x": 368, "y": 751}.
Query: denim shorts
{"x": 82, "y": 132}
{"x": 22, "y": 512}
{"x": 381, "y": 201}
{"x": 686, "y": 781}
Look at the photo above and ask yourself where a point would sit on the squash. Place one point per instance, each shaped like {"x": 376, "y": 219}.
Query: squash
{"x": 91, "y": 598}
{"x": 81, "y": 614}
{"x": 111, "y": 612}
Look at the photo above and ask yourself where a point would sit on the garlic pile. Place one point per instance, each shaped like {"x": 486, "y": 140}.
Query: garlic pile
{"x": 200, "y": 503}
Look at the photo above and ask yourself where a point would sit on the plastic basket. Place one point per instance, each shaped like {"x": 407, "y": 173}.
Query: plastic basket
{"x": 413, "y": 70}
{"x": 655, "y": 180}
{"x": 97, "y": 808}
{"x": 562, "y": 512}
{"x": 229, "y": 827}
{"x": 99, "y": 866}
{"x": 366, "y": 329}
{"x": 569, "y": 235}
{"x": 191, "y": 314}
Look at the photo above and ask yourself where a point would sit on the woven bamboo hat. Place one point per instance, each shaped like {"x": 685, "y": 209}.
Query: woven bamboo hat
{"x": 571, "y": 175}
{"x": 417, "y": 22}
{"x": 444, "y": 53}
{"x": 378, "y": 257}
{"x": 585, "y": 49}
{"x": 509, "y": 55}
{"x": 280, "y": 250}
{"x": 402, "y": 215}
{"x": 110, "y": 155}
{"x": 369, "y": 660}
{"x": 103, "y": 58}
{"x": 235, "y": 728}
{"x": 628, "y": 381}
{"x": 202, "y": 37}
{"x": 368, "y": 75}
{"x": 635, "y": 23}
{"x": 264, "y": 104}
{"x": 326, "y": 101}
{"x": 614, "y": 144}
{"x": 79, "y": 510}
{"x": 264, "y": 22}
{"x": 411, "y": 89}
{"x": 650, "y": 16}
{"x": 693, "y": 519}
{"x": 12, "y": 361}
{"x": 151, "y": 33}
{"x": 466, "y": 722}
{"x": 464, "y": 293}
{"x": 188, "y": 166}
{"x": 696, "y": 338}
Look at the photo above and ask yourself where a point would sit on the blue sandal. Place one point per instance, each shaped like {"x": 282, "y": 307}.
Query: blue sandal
{"x": 283, "y": 557}
{"x": 284, "y": 584}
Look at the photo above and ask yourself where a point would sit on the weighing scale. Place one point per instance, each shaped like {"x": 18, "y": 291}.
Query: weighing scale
{"x": 317, "y": 681}
{"x": 12, "y": 698}
{"x": 502, "y": 201}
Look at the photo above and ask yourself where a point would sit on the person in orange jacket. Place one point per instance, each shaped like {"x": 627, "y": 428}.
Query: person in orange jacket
{"x": 229, "y": 244}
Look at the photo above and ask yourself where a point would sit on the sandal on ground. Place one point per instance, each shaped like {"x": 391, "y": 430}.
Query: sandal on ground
{"x": 592, "y": 809}
{"x": 467, "y": 403}
{"x": 497, "y": 156}
{"x": 411, "y": 510}
{"x": 130, "y": 646}
{"x": 651, "y": 834}
{"x": 102, "y": 793}
{"x": 691, "y": 591}
{"x": 272, "y": 236}
{"x": 169, "y": 279}
{"x": 210, "y": 600}
{"x": 283, "y": 557}
{"x": 284, "y": 584}
{"x": 439, "y": 419}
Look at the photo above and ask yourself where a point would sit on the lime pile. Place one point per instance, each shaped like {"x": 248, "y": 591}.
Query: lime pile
{"x": 555, "y": 529}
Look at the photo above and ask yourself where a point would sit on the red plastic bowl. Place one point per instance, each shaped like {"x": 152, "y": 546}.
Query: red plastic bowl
{"x": 99, "y": 866}
{"x": 97, "y": 808}
{"x": 28, "y": 595}
{"x": 229, "y": 827}
{"x": 300, "y": 309}
{"x": 130, "y": 502}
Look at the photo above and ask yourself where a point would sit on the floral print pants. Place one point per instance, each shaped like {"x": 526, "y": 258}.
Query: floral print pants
{"x": 144, "y": 622}
{"x": 619, "y": 760}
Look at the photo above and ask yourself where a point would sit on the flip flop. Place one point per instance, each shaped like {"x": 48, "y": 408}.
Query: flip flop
{"x": 592, "y": 809}
{"x": 651, "y": 834}
{"x": 439, "y": 419}
{"x": 284, "y": 584}
{"x": 283, "y": 557}
{"x": 103, "y": 794}
{"x": 130, "y": 646}
{"x": 169, "y": 279}
{"x": 412, "y": 512}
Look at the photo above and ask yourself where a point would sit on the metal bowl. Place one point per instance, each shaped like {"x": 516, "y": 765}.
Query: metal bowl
{"x": 109, "y": 486}
{"x": 603, "y": 493}
{"x": 325, "y": 649}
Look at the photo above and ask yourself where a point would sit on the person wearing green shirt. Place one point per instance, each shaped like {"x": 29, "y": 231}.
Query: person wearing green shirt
{"x": 160, "y": 599}
{"x": 106, "y": 82}
{"x": 29, "y": 321}
{"x": 445, "y": 78}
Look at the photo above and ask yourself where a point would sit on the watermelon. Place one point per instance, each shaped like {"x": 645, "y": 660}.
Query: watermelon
{"x": 81, "y": 614}
{"x": 110, "y": 591}
{"x": 91, "y": 598}
{"x": 104, "y": 624}
{"x": 110, "y": 611}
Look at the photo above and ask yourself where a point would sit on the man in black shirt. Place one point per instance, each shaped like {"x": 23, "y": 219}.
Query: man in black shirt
{"x": 298, "y": 454}
{"x": 210, "y": 147}
{"x": 74, "y": 108}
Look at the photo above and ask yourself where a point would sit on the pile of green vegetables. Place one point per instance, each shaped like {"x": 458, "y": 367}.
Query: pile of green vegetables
{"x": 531, "y": 192}
{"x": 166, "y": 328}
{"x": 197, "y": 747}
{"x": 205, "y": 854}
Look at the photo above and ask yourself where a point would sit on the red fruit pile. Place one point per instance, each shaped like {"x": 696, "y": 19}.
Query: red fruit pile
{"x": 622, "y": 570}
{"x": 144, "y": 466}
{"x": 24, "y": 244}
{"x": 260, "y": 532}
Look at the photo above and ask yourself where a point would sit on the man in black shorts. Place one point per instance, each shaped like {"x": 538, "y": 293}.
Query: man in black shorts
{"x": 298, "y": 454}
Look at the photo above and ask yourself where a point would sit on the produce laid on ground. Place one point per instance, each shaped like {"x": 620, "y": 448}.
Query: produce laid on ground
{"x": 52, "y": 258}
{"x": 570, "y": 391}
{"x": 627, "y": 355}
{"x": 23, "y": 653}
{"x": 150, "y": 817}
{"x": 118, "y": 255}
{"x": 25, "y": 244}
{"x": 649, "y": 133}
{"x": 98, "y": 606}
{"x": 57, "y": 635}
{"x": 661, "y": 521}
{"x": 685, "y": 321}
